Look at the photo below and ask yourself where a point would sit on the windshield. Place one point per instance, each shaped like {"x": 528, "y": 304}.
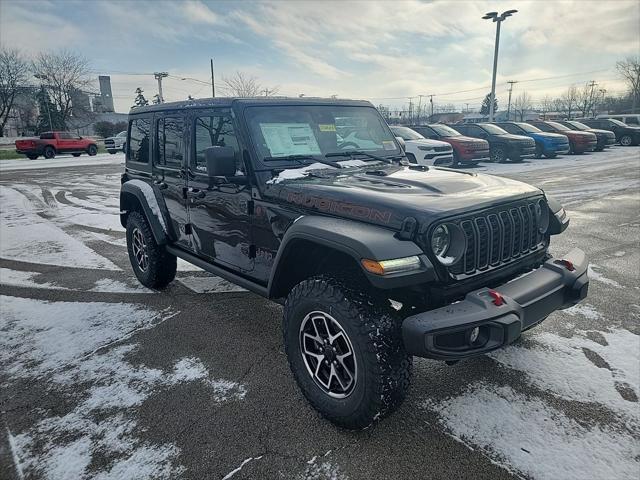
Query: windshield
{"x": 406, "y": 133}
{"x": 578, "y": 125}
{"x": 492, "y": 129}
{"x": 122, "y": 134}
{"x": 528, "y": 128}
{"x": 313, "y": 131}
{"x": 445, "y": 131}
{"x": 617, "y": 122}
{"x": 558, "y": 126}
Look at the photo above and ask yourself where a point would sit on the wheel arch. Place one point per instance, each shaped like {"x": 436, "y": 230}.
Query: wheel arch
{"x": 136, "y": 195}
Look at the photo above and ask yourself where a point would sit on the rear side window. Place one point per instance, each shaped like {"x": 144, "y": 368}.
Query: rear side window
{"x": 65, "y": 136}
{"x": 170, "y": 141}
{"x": 139, "y": 140}
{"x": 47, "y": 136}
{"x": 631, "y": 120}
{"x": 215, "y": 131}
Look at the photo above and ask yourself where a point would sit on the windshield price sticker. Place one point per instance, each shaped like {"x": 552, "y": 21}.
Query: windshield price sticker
{"x": 388, "y": 145}
{"x": 327, "y": 127}
{"x": 290, "y": 139}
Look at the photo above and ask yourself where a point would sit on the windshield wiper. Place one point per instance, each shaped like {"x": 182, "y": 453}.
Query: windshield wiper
{"x": 299, "y": 157}
{"x": 351, "y": 153}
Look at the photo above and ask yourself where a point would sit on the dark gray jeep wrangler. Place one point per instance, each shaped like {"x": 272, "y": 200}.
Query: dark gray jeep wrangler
{"x": 312, "y": 203}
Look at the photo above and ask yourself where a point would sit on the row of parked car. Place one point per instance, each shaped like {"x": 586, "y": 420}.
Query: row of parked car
{"x": 471, "y": 143}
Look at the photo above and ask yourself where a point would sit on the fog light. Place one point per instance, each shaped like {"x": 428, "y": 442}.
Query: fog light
{"x": 474, "y": 333}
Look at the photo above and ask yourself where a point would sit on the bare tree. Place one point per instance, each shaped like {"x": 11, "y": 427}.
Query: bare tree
{"x": 522, "y": 105}
{"x": 546, "y": 105}
{"x": 568, "y": 101}
{"x": 587, "y": 98}
{"x": 14, "y": 73}
{"x": 243, "y": 85}
{"x": 66, "y": 76}
{"x": 629, "y": 69}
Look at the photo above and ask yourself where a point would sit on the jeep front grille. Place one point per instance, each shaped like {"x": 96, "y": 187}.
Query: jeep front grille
{"x": 498, "y": 236}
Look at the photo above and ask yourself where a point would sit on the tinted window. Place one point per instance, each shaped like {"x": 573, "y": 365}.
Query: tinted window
{"x": 47, "y": 136}
{"x": 139, "y": 140}
{"x": 424, "y": 131}
{"x": 631, "y": 120}
{"x": 544, "y": 127}
{"x": 475, "y": 131}
{"x": 215, "y": 131}
{"x": 65, "y": 136}
{"x": 528, "y": 128}
{"x": 406, "y": 133}
{"x": 445, "y": 131}
{"x": 492, "y": 129}
{"x": 509, "y": 127}
{"x": 170, "y": 141}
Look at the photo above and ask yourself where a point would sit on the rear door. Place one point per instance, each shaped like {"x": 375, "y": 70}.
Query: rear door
{"x": 66, "y": 142}
{"x": 219, "y": 212}
{"x": 169, "y": 171}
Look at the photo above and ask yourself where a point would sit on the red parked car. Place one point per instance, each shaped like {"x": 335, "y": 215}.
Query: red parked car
{"x": 466, "y": 150}
{"x": 51, "y": 143}
{"x": 579, "y": 141}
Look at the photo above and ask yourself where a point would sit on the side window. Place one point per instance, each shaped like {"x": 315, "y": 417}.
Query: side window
{"x": 170, "y": 136}
{"x": 474, "y": 131}
{"x": 631, "y": 120}
{"x": 215, "y": 131}
{"x": 65, "y": 136}
{"x": 510, "y": 128}
{"x": 139, "y": 140}
{"x": 47, "y": 136}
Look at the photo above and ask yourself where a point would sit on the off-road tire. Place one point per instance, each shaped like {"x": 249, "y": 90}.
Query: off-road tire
{"x": 92, "y": 150}
{"x": 498, "y": 154}
{"x": 49, "y": 152}
{"x": 161, "y": 265}
{"x": 626, "y": 140}
{"x": 383, "y": 367}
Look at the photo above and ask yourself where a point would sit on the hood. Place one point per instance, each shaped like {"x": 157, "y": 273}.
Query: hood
{"x": 579, "y": 133}
{"x": 468, "y": 141}
{"x": 549, "y": 135}
{"x": 600, "y": 131}
{"x": 386, "y": 195}
{"x": 513, "y": 137}
{"x": 427, "y": 143}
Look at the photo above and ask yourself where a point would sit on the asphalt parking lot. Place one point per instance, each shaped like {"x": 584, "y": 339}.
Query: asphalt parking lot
{"x": 102, "y": 378}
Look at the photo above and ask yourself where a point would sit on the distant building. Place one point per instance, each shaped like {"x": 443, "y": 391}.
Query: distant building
{"x": 106, "y": 97}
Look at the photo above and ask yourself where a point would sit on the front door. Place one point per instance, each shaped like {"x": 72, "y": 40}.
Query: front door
{"x": 169, "y": 172}
{"x": 218, "y": 212}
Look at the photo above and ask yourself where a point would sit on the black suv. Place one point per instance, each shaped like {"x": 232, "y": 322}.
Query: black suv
{"x": 625, "y": 134}
{"x": 605, "y": 138}
{"x": 374, "y": 259}
{"x": 502, "y": 145}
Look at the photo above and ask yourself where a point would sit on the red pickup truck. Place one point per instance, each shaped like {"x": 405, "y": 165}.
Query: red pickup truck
{"x": 51, "y": 143}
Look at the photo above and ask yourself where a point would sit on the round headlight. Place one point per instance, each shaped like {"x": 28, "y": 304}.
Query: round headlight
{"x": 440, "y": 241}
{"x": 448, "y": 243}
{"x": 542, "y": 215}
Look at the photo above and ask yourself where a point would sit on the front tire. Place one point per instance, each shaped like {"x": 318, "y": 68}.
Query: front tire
{"x": 76, "y": 154}
{"x": 550, "y": 155}
{"x": 626, "y": 140}
{"x": 498, "y": 154}
{"x": 345, "y": 351}
{"x": 92, "y": 150}
{"x": 49, "y": 152}
{"x": 32, "y": 157}
{"x": 152, "y": 264}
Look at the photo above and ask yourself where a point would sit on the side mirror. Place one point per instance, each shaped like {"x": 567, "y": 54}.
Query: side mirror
{"x": 403, "y": 145}
{"x": 221, "y": 161}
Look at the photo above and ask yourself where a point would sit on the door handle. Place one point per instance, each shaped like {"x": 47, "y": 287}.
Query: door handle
{"x": 161, "y": 184}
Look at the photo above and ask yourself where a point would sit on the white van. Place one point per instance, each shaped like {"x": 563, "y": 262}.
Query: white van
{"x": 632, "y": 119}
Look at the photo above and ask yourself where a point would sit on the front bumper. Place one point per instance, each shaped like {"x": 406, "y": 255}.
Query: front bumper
{"x": 520, "y": 151}
{"x": 444, "y": 333}
{"x": 557, "y": 148}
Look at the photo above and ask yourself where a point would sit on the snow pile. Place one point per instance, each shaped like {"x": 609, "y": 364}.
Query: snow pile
{"x": 527, "y": 435}
{"x": 76, "y": 354}
{"x": 598, "y": 277}
{"x": 293, "y": 173}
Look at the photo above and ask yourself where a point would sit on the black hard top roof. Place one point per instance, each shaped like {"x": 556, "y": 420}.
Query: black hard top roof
{"x": 252, "y": 101}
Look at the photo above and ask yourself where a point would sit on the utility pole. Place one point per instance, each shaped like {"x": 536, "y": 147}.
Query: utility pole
{"x": 510, "y": 82}
{"x": 431, "y": 101}
{"x": 266, "y": 92}
{"x": 591, "y": 84}
{"x": 498, "y": 19}
{"x": 213, "y": 83}
{"x": 159, "y": 76}
{"x": 602, "y": 92}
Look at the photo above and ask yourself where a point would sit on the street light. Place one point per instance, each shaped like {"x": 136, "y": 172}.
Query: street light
{"x": 497, "y": 19}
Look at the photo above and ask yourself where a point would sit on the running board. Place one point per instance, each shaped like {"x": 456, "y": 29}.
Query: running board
{"x": 220, "y": 272}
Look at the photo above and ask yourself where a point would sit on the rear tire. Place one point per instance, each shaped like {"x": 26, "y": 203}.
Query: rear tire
{"x": 49, "y": 152}
{"x": 373, "y": 378}
{"x": 152, "y": 264}
{"x": 76, "y": 154}
{"x": 92, "y": 150}
{"x": 32, "y": 157}
{"x": 539, "y": 152}
{"x": 550, "y": 155}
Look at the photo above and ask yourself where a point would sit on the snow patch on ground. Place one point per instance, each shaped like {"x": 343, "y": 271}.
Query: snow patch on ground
{"x": 583, "y": 370}
{"x": 19, "y": 278}
{"x": 527, "y": 435}
{"x": 209, "y": 285}
{"x": 107, "y": 285}
{"x": 27, "y": 236}
{"x": 72, "y": 347}
{"x": 598, "y": 277}
{"x": 61, "y": 162}
{"x": 323, "y": 470}
{"x": 586, "y": 310}
{"x": 236, "y": 470}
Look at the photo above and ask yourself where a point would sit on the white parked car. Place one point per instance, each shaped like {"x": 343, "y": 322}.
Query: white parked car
{"x": 117, "y": 143}
{"x": 424, "y": 151}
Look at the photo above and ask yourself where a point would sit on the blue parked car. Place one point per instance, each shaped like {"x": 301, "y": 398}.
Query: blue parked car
{"x": 547, "y": 144}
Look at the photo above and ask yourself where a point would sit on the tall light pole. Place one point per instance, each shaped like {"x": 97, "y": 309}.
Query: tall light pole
{"x": 498, "y": 19}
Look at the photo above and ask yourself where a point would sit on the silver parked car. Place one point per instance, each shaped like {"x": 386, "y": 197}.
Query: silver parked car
{"x": 117, "y": 143}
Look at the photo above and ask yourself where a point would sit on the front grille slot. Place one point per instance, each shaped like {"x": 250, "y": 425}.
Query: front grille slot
{"x": 498, "y": 236}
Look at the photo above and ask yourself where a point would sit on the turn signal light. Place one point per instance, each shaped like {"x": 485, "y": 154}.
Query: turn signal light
{"x": 395, "y": 265}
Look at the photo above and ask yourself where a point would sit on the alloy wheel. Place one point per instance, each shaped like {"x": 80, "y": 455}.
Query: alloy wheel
{"x": 328, "y": 354}
{"x": 625, "y": 141}
{"x": 139, "y": 249}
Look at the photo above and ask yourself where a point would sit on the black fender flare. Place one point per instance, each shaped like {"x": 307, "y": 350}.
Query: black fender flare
{"x": 153, "y": 207}
{"x": 357, "y": 240}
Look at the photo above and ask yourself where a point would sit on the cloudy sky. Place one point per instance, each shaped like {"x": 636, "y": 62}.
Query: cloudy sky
{"x": 382, "y": 51}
